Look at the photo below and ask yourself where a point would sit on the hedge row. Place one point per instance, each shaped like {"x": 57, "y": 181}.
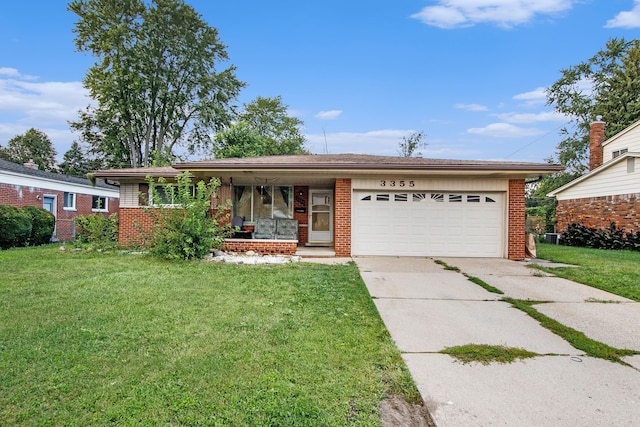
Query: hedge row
{"x": 609, "y": 238}
{"x": 28, "y": 226}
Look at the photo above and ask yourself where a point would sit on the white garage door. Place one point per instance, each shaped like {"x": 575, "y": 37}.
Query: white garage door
{"x": 428, "y": 224}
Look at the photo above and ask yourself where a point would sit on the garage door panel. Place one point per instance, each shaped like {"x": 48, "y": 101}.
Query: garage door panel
{"x": 428, "y": 224}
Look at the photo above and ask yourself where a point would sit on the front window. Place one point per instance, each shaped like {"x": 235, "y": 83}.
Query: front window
{"x": 262, "y": 201}
{"x": 99, "y": 204}
{"x": 69, "y": 201}
{"x": 167, "y": 194}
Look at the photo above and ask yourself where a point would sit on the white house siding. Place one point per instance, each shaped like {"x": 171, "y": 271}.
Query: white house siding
{"x": 629, "y": 139}
{"x": 612, "y": 181}
{"x": 432, "y": 184}
{"x": 129, "y": 195}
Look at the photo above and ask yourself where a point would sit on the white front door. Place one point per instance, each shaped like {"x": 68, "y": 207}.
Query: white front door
{"x": 321, "y": 216}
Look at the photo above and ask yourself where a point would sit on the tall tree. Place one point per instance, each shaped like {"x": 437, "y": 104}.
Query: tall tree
{"x": 264, "y": 128}
{"x": 32, "y": 146}
{"x": 155, "y": 80}
{"x": 409, "y": 145}
{"x": 76, "y": 162}
{"x": 606, "y": 85}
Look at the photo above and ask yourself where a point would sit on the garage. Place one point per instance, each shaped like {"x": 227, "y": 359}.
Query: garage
{"x": 428, "y": 223}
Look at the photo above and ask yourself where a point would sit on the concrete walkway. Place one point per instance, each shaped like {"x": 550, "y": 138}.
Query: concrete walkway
{"x": 427, "y": 308}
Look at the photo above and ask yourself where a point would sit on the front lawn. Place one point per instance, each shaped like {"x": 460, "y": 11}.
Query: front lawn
{"x": 614, "y": 271}
{"x": 96, "y": 339}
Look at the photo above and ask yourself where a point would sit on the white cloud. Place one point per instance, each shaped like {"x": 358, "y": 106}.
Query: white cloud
{"x": 504, "y": 130}
{"x": 545, "y": 116}
{"x": 471, "y": 107}
{"x": 47, "y": 106}
{"x": 328, "y": 115}
{"x": 630, "y": 19}
{"x": 449, "y": 14}
{"x": 534, "y": 97}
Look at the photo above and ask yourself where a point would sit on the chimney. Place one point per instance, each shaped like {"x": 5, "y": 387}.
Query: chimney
{"x": 31, "y": 165}
{"x": 596, "y": 138}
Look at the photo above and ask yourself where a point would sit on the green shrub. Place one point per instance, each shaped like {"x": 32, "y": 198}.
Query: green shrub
{"x": 15, "y": 227}
{"x": 603, "y": 238}
{"x": 185, "y": 229}
{"x": 43, "y": 224}
{"x": 97, "y": 229}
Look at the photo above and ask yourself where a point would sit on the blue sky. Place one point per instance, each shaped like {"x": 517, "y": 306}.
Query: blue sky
{"x": 469, "y": 73}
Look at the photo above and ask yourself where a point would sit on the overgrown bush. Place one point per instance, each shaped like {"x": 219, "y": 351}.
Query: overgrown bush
{"x": 183, "y": 227}
{"x": 15, "y": 227}
{"x": 610, "y": 238}
{"x": 43, "y": 224}
{"x": 97, "y": 229}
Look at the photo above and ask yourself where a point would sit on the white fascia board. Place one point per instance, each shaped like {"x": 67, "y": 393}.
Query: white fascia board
{"x": 12, "y": 178}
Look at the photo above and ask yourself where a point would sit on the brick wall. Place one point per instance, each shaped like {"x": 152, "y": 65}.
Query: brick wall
{"x": 301, "y": 200}
{"x": 135, "y": 223}
{"x": 600, "y": 212}
{"x": 342, "y": 218}
{"x": 516, "y": 225}
{"x": 20, "y": 196}
{"x": 265, "y": 247}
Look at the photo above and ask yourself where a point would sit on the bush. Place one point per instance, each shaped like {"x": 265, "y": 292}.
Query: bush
{"x": 185, "y": 229}
{"x": 43, "y": 224}
{"x": 611, "y": 238}
{"x": 15, "y": 227}
{"x": 99, "y": 230}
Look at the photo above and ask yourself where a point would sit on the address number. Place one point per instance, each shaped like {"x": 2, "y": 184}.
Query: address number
{"x": 397, "y": 183}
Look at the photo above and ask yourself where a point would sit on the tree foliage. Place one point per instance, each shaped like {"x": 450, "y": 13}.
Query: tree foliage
{"x": 409, "y": 145}
{"x": 155, "y": 80}
{"x": 76, "y": 162}
{"x": 607, "y": 85}
{"x": 34, "y": 145}
{"x": 185, "y": 229}
{"x": 263, "y": 128}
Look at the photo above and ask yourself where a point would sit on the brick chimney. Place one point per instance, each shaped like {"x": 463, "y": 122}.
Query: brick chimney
{"x": 596, "y": 138}
{"x": 31, "y": 165}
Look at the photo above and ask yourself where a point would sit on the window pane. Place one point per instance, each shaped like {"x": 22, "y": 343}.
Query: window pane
{"x": 69, "y": 200}
{"x": 382, "y": 197}
{"x": 400, "y": 197}
{"x": 455, "y": 198}
{"x": 320, "y": 221}
{"x": 262, "y": 199}
{"x": 283, "y": 202}
{"x": 98, "y": 203}
{"x": 437, "y": 197}
{"x": 473, "y": 199}
{"x": 242, "y": 202}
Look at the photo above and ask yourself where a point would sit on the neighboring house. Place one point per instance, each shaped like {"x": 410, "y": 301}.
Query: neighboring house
{"x": 610, "y": 191}
{"x": 64, "y": 196}
{"x": 361, "y": 204}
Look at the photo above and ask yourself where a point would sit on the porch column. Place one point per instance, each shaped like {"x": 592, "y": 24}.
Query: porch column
{"x": 342, "y": 220}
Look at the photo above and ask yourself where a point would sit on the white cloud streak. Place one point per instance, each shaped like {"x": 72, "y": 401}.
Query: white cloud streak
{"x": 382, "y": 142}
{"x": 628, "y": 19}
{"x": 542, "y": 117}
{"x": 328, "y": 115}
{"x": 504, "y": 130}
{"x": 471, "y": 107}
{"x": 450, "y": 14}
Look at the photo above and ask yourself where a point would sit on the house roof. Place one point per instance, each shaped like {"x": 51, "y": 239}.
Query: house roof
{"x": 361, "y": 162}
{"x": 16, "y": 168}
{"x": 138, "y": 173}
{"x": 594, "y": 172}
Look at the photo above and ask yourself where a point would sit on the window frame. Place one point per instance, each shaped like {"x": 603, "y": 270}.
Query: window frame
{"x": 105, "y": 207}
{"x": 65, "y": 198}
{"x": 259, "y": 194}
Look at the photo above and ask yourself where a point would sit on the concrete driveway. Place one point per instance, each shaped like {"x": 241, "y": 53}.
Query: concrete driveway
{"x": 427, "y": 308}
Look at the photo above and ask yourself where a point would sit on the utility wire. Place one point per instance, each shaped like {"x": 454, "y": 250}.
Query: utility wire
{"x": 534, "y": 141}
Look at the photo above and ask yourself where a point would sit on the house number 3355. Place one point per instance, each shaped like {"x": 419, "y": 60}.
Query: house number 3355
{"x": 396, "y": 183}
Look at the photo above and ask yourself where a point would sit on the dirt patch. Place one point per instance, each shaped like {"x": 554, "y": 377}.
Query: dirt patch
{"x": 396, "y": 411}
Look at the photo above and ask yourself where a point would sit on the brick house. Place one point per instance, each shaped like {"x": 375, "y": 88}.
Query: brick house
{"x": 64, "y": 196}
{"x": 361, "y": 204}
{"x": 610, "y": 191}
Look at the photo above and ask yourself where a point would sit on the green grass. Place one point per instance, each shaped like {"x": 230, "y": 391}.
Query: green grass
{"x": 478, "y": 281}
{"x": 576, "y": 338}
{"x": 616, "y": 271}
{"x": 486, "y": 354}
{"x": 102, "y": 339}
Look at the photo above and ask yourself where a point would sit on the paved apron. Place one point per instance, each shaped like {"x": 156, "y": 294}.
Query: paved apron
{"x": 427, "y": 308}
